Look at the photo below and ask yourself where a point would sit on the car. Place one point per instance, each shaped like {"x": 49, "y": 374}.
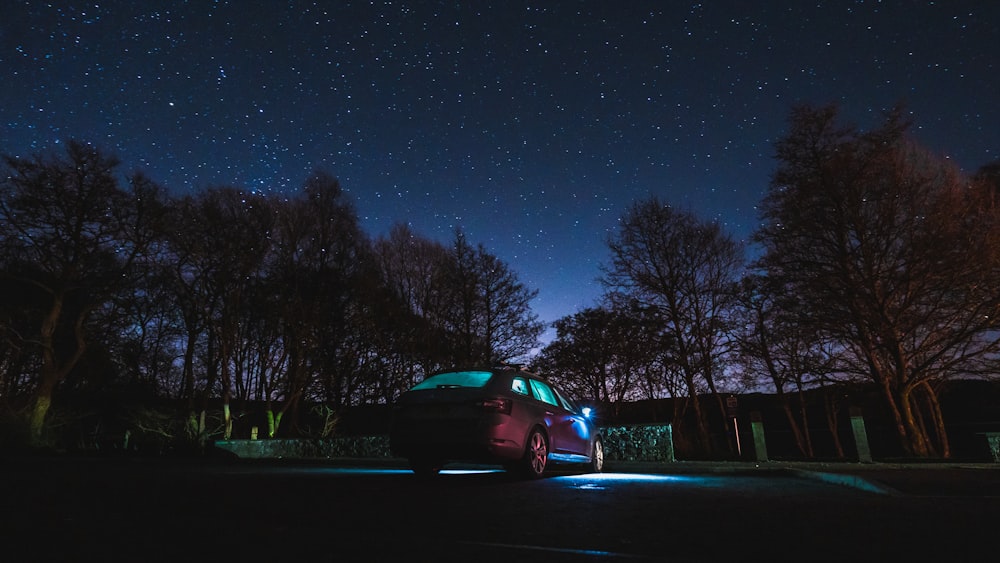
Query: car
{"x": 498, "y": 416}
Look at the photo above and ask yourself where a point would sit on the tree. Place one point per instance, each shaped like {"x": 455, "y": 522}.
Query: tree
{"x": 606, "y": 354}
{"x": 71, "y": 238}
{"x": 326, "y": 262}
{"x": 687, "y": 270}
{"x": 896, "y": 253}
{"x": 221, "y": 242}
{"x": 778, "y": 351}
{"x": 509, "y": 325}
{"x": 270, "y": 292}
{"x": 485, "y": 310}
{"x": 409, "y": 266}
{"x": 989, "y": 176}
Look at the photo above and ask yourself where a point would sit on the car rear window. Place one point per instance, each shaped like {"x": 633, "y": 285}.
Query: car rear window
{"x": 455, "y": 379}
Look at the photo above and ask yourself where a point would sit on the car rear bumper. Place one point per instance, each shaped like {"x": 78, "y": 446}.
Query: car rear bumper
{"x": 480, "y": 445}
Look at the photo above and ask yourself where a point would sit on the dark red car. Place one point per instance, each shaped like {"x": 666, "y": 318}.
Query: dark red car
{"x": 504, "y": 416}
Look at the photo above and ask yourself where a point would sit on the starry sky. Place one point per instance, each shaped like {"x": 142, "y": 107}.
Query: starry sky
{"x": 531, "y": 126}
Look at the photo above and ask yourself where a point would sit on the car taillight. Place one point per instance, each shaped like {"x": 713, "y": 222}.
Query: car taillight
{"x": 498, "y": 404}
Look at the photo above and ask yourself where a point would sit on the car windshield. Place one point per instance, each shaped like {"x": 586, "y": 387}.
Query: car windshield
{"x": 455, "y": 380}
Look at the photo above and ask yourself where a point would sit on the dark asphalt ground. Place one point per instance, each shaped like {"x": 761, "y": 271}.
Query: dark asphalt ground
{"x": 922, "y": 479}
{"x": 914, "y": 478}
{"x": 147, "y": 509}
{"x": 911, "y": 478}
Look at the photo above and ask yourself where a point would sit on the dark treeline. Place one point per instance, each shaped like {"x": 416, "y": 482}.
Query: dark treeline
{"x": 227, "y": 297}
{"x": 876, "y": 265}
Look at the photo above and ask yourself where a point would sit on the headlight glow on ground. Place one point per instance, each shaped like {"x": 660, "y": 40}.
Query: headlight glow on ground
{"x": 627, "y": 477}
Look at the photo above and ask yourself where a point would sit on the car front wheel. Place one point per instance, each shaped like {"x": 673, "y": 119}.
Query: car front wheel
{"x": 597, "y": 457}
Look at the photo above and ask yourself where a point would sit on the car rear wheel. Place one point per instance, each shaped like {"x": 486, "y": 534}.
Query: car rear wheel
{"x": 536, "y": 455}
{"x": 597, "y": 457}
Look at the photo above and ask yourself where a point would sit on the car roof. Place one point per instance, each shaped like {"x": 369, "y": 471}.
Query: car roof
{"x": 493, "y": 368}
{"x": 504, "y": 369}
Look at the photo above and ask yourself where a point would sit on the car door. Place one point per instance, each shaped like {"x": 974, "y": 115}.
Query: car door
{"x": 569, "y": 433}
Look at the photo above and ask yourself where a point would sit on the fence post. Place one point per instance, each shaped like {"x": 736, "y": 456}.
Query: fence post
{"x": 759, "y": 444}
{"x": 860, "y": 436}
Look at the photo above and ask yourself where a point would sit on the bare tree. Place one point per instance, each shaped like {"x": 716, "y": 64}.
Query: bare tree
{"x": 687, "y": 270}
{"x": 71, "y": 237}
{"x": 483, "y": 308}
{"x": 317, "y": 278}
{"x": 221, "y": 243}
{"x": 608, "y": 354}
{"x": 896, "y": 253}
{"x": 778, "y": 352}
{"x": 509, "y": 325}
{"x": 410, "y": 266}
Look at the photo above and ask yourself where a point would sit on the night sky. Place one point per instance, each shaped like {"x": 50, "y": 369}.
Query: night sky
{"x": 532, "y": 126}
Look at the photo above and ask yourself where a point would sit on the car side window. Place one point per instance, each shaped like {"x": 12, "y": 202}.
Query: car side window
{"x": 544, "y": 392}
{"x": 519, "y": 386}
{"x": 566, "y": 403}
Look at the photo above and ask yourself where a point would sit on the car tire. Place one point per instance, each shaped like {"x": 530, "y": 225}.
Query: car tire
{"x": 536, "y": 455}
{"x": 596, "y": 464}
{"x": 425, "y": 467}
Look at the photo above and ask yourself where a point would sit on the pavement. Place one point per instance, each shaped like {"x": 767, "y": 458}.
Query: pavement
{"x": 887, "y": 478}
{"x": 897, "y": 477}
{"x": 931, "y": 478}
{"x": 908, "y": 478}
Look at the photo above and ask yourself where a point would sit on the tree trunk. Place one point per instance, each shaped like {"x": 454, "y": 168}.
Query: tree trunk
{"x": 913, "y": 438}
{"x": 832, "y": 423}
{"x": 944, "y": 445}
{"x": 227, "y": 416}
{"x": 793, "y": 423}
{"x": 38, "y": 413}
{"x": 187, "y": 384}
{"x": 52, "y": 372}
{"x": 273, "y": 422}
{"x": 892, "y": 402}
{"x": 703, "y": 437}
{"x": 804, "y": 416}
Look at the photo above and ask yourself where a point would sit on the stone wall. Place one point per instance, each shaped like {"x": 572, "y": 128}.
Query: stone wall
{"x": 641, "y": 442}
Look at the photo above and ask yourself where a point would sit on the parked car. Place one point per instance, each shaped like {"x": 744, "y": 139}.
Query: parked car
{"x": 504, "y": 416}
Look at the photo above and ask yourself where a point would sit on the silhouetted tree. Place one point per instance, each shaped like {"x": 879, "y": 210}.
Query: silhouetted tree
{"x": 334, "y": 263}
{"x": 778, "y": 352}
{"x": 487, "y": 311}
{"x": 408, "y": 265}
{"x": 989, "y": 175}
{"x": 70, "y": 239}
{"x": 222, "y": 245}
{"x": 687, "y": 270}
{"x": 895, "y": 253}
{"x": 608, "y": 354}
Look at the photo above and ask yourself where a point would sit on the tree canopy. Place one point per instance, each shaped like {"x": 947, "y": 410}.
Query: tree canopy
{"x": 877, "y": 264}
{"x": 229, "y": 296}
{"x": 893, "y": 253}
